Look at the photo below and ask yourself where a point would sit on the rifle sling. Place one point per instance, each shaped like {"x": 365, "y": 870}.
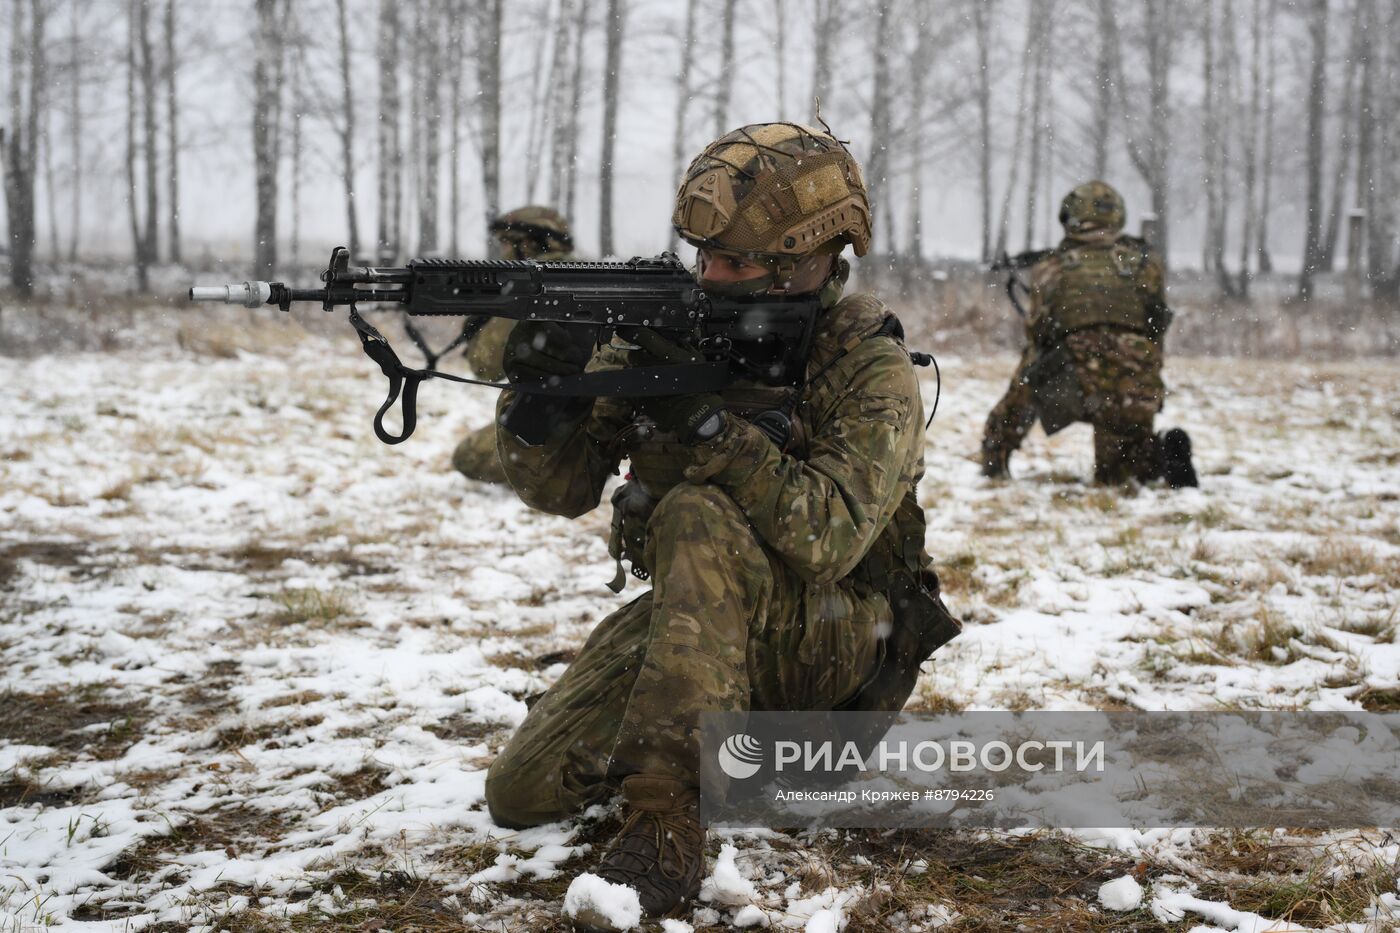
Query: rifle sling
{"x": 636, "y": 382}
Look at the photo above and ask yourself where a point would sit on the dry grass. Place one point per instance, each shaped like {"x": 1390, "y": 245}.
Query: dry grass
{"x": 85, "y": 720}
{"x": 302, "y": 605}
{"x": 1338, "y": 557}
{"x": 956, "y": 575}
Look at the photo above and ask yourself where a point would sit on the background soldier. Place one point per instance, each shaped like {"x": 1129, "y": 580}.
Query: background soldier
{"x": 1095, "y": 325}
{"x": 526, "y": 233}
{"x": 772, "y": 551}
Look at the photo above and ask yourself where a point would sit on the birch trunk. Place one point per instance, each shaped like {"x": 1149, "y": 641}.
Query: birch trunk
{"x": 390, "y": 166}
{"x": 683, "y": 93}
{"x": 877, "y": 174}
{"x": 172, "y": 127}
{"x": 1251, "y": 148}
{"x": 488, "y": 57}
{"x": 1317, "y": 91}
{"x": 1266, "y": 261}
{"x": 559, "y": 90}
{"x": 76, "y": 132}
{"x": 1349, "y": 114}
{"x": 983, "y": 13}
{"x": 133, "y": 199}
{"x": 724, "y": 82}
{"x": 611, "y": 85}
{"x": 455, "y": 56}
{"x": 575, "y": 102}
{"x": 265, "y": 93}
{"x": 1103, "y": 99}
{"x": 347, "y": 130}
{"x": 148, "y": 114}
{"x": 1044, "y": 19}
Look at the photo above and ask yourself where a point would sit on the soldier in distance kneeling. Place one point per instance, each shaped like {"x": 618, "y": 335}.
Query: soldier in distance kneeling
{"x": 533, "y": 232}
{"x": 1095, "y": 328}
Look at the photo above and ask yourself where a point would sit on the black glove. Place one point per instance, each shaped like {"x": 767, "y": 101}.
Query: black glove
{"x": 542, "y": 351}
{"x": 692, "y": 418}
{"x": 537, "y": 350}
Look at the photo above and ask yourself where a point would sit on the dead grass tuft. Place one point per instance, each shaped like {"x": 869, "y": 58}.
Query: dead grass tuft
{"x": 84, "y": 720}
{"x": 956, "y": 575}
{"x": 1338, "y": 557}
{"x": 234, "y": 831}
{"x": 1377, "y": 700}
{"x": 301, "y": 605}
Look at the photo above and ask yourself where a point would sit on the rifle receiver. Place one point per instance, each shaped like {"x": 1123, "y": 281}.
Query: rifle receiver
{"x": 247, "y": 294}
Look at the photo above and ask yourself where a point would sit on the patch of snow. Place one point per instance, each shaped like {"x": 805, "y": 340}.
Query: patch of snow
{"x": 597, "y": 901}
{"x": 1121, "y": 894}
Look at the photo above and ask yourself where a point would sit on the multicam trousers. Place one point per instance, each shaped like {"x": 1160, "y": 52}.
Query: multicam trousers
{"x": 1120, "y": 374}
{"x": 727, "y": 627}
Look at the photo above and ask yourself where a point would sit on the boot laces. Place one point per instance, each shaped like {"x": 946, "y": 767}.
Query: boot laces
{"x": 673, "y": 826}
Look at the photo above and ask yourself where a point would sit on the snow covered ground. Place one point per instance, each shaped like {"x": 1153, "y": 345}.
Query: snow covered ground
{"x": 256, "y": 663}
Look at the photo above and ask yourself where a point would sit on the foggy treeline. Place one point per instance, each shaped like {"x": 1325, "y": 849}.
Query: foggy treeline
{"x": 1243, "y": 130}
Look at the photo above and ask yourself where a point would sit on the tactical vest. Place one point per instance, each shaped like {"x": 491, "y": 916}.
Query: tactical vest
{"x": 1093, "y": 284}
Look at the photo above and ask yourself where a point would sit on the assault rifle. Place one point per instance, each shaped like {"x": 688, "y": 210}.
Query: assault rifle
{"x": 653, "y": 302}
{"x": 1013, "y": 265}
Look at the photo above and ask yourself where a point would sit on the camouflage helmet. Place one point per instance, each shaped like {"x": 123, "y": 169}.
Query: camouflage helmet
{"x": 1094, "y": 205}
{"x": 537, "y": 222}
{"x": 780, "y": 190}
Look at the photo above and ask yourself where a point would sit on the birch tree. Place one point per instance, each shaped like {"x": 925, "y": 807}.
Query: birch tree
{"x": 982, "y": 15}
{"x": 1317, "y": 92}
{"x": 1266, "y": 166}
{"x": 1014, "y": 165}
{"x": 724, "y": 82}
{"x": 1147, "y": 114}
{"x": 172, "y": 134}
{"x": 389, "y": 171}
{"x": 75, "y": 127}
{"x": 1045, "y": 18}
{"x": 559, "y": 90}
{"x": 488, "y": 58}
{"x": 1107, "y": 28}
{"x": 824, "y": 15}
{"x": 876, "y": 176}
{"x": 612, "y": 69}
{"x": 133, "y": 199}
{"x": 683, "y": 95}
{"x": 347, "y": 129}
{"x": 575, "y": 102}
{"x": 148, "y": 121}
{"x": 1251, "y": 146}
{"x": 21, "y": 138}
{"x": 267, "y": 56}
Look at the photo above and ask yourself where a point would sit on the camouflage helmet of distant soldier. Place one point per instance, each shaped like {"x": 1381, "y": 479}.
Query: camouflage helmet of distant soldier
{"x": 1094, "y": 205}
{"x": 542, "y": 224}
{"x": 774, "y": 192}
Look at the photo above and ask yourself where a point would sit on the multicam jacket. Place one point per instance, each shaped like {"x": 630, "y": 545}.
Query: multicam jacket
{"x": 823, "y": 503}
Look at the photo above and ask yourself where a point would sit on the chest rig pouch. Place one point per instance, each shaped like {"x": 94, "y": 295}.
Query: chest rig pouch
{"x": 772, "y": 410}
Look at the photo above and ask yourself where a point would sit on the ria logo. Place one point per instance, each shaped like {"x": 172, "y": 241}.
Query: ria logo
{"x": 740, "y": 756}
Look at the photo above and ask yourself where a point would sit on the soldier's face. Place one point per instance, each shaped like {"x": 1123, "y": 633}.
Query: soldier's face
{"x": 725, "y": 268}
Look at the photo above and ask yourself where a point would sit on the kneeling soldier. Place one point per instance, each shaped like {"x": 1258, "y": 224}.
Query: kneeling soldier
{"x": 775, "y": 520}
{"x": 1095, "y": 327}
{"x": 525, "y": 233}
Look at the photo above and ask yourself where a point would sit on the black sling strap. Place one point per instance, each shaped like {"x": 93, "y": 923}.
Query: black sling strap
{"x": 636, "y": 382}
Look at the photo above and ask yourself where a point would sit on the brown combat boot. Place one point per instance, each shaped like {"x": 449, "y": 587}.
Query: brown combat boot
{"x": 660, "y": 850}
{"x": 996, "y": 462}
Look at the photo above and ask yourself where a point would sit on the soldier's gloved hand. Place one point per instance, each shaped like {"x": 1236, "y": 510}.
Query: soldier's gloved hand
{"x": 545, "y": 350}
{"x": 542, "y": 351}
{"x": 692, "y": 418}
